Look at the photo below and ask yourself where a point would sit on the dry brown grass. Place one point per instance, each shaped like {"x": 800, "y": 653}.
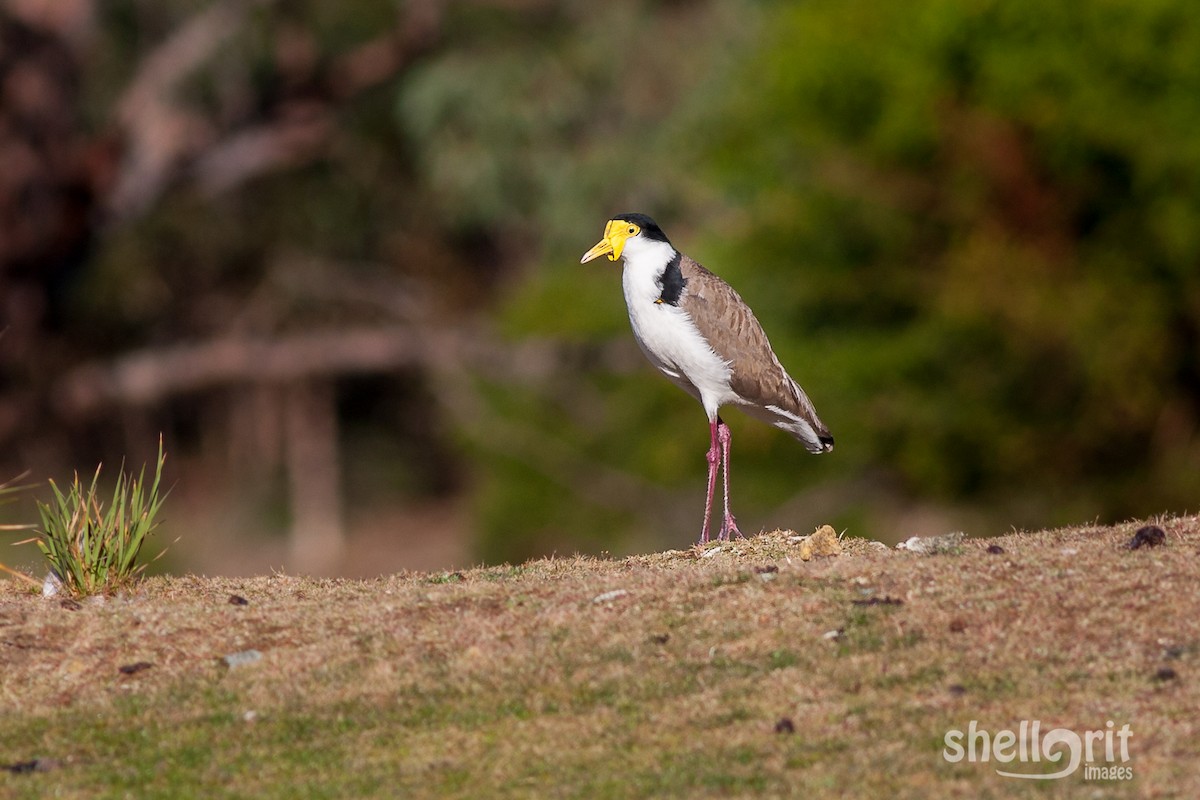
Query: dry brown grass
{"x": 664, "y": 675}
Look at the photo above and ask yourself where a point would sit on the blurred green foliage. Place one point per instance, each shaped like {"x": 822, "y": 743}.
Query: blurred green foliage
{"x": 986, "y": 212}
{"x": 971, "y": 229}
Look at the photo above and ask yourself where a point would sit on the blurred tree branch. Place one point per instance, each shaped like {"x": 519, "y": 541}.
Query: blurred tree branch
{"x": 157, "y": 131}
{"x": 152, "y": 375}
{"x": 165, "y": 138}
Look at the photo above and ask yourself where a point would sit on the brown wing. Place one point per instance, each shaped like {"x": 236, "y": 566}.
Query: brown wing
{"x": 735, "y": 334}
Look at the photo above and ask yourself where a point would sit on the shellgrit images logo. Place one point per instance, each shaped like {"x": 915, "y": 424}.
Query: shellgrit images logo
{"x": 1103, "y": 753}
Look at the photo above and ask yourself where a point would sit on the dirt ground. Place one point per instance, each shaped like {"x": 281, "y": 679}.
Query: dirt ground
{"x": 776, "y": 665}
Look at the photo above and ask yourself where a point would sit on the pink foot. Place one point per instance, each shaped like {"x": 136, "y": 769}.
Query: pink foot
{"x": 729, "y": 530}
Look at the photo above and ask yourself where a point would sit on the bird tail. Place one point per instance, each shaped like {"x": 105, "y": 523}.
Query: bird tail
{"x": 816, "y": 439}
{"x": 807, "y": 429}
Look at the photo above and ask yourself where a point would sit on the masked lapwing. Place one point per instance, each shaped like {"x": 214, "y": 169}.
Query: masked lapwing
{"x": 699, "y": 332}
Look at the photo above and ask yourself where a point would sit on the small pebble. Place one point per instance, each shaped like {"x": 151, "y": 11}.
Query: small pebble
{"x": 52, "y": 585}
{"x": 241, "y": 659}
{"x": 1149, "y": 536}
{"x": 133, "y": 669}
{"x": 930, "y": 545}
{"x": 1165, "y": 674}
{"x": 607, "y": 596}
{"x": 878, "y": 601}
{"x": 33, "y": 765}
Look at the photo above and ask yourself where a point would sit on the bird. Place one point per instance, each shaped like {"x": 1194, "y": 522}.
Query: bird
{"x": 698, "y": 332}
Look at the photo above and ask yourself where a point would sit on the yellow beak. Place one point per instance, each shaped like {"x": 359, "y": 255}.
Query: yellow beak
{"x": 615, "y": 234}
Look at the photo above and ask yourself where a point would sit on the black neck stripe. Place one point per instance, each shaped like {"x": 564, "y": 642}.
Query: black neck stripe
{"x": 672, "y": 282}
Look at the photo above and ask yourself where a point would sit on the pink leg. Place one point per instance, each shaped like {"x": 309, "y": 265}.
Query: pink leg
{"x": 712, "y": 455}
{"x": 729, "y": 526}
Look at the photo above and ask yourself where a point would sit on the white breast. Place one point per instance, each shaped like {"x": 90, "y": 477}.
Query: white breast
{"x": 666, "y": 334}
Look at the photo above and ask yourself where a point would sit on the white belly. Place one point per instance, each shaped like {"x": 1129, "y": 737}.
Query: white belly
{"x": 672, "y": 343}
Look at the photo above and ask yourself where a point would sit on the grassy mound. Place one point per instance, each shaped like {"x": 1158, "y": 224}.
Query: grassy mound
{"x": 736, "y": 670}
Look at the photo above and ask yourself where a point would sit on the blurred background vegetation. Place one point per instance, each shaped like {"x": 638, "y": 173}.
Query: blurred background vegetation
{"x": 330, "y": 251}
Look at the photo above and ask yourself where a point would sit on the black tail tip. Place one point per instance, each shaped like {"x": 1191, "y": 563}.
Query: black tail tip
{"x": 826, "y": 443}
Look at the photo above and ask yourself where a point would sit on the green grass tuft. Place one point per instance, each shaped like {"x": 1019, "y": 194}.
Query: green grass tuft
{"x": 93, "y": 548}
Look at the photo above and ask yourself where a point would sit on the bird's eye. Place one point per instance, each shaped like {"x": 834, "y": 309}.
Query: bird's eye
{"x": 633, "y": 230}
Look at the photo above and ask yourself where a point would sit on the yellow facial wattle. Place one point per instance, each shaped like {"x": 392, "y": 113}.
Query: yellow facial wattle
{"x": 615, "y": 234}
